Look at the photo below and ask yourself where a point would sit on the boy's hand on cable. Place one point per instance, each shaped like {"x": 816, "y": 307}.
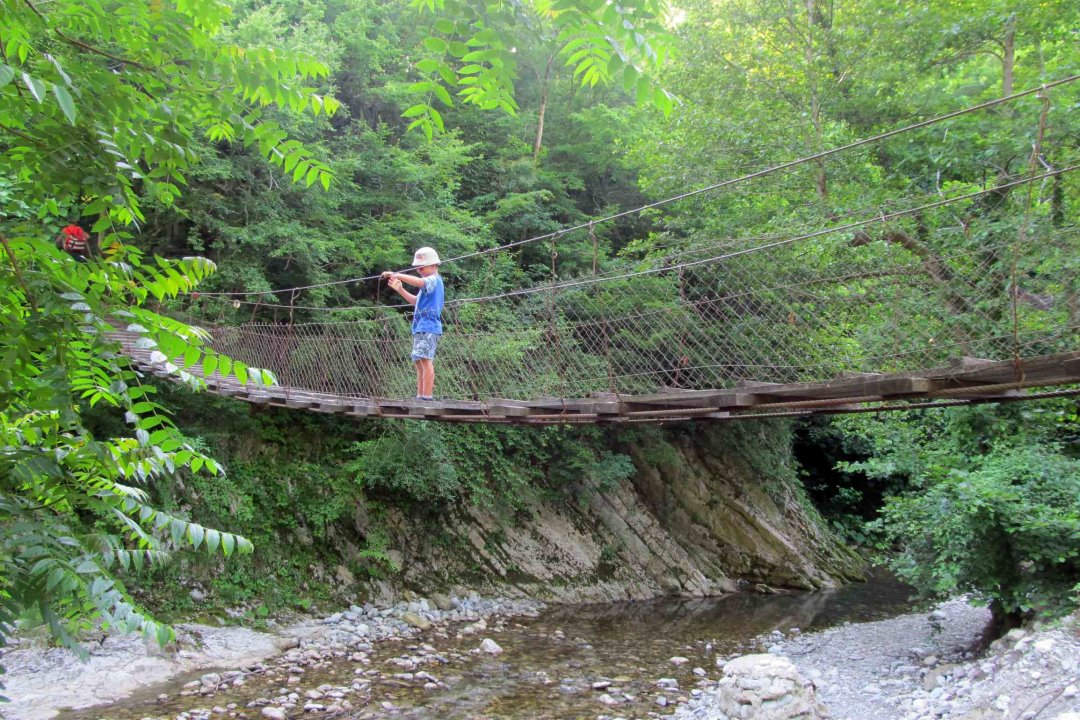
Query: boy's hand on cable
{"x": 394, "y": 283}
{"x": 387, "y": 274}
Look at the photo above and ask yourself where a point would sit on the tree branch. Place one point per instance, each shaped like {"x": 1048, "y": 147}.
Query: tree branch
{"x": 82, "y": 45}
{"x": 935, "y": 267}
{"x": 18, "y": 272}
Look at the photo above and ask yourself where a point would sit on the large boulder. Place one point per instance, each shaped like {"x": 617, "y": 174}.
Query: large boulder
{"x": 766, "y": 687}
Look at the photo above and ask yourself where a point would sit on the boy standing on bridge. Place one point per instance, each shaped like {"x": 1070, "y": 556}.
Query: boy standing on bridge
{"x": 427, "y": 319}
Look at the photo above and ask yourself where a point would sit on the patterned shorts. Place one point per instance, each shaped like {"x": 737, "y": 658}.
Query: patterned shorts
{"x": 423, "y": 346}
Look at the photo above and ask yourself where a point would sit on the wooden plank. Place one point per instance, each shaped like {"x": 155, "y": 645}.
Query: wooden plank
{"x": 754, "y": 384}
{"x": 969, "y": 363}
{"x": 508, "y": 408}
{"x": 719, "y": 399}
{"x": 853, "y": 374}
{"x": 845, "y": 388}
{"x": 600, "y": 406}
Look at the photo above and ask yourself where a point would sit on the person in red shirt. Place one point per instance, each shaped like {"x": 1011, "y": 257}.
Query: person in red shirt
{"x": 75, "y": 241}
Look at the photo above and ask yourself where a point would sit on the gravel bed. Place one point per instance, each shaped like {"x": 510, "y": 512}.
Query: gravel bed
{"x": 921, "y": 666}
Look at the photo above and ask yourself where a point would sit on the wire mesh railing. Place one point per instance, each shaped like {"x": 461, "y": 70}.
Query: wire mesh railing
{"x": 881, "y": 302}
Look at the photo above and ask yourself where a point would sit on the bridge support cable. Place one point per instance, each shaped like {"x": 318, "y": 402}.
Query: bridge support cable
{"x": 713, "y": 187}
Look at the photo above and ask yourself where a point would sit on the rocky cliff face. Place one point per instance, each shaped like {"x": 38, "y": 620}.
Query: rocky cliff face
{"x": 708, "y": 509}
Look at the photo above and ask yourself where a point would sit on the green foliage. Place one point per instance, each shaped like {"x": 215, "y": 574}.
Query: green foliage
{"x": 991, "y": 507}
{"x": 485, "y": 465}
{"x": 101, "y": 106}
{"x": 473, "y": 52}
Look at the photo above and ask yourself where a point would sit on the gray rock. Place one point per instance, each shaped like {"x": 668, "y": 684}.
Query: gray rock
{"x": 416, "y": 620}
{"x": 274, "y": 713}
{"x": 490, "y": 646}
{"x": 443, "y": 602}
{"x": 766, "y": 687}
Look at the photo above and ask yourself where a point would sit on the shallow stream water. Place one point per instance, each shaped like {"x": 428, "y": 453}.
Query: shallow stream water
{"x": 550, "y": 662}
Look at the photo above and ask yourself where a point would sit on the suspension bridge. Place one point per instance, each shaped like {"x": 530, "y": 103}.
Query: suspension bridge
{"x": 870, "y": 313}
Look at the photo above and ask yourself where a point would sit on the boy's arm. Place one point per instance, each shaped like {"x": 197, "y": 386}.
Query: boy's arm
{"x": 396, "y": 285}
{"x": 410, "y": 279}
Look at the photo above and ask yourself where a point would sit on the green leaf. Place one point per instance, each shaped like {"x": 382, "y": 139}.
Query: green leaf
{"x": 6, "y": 74}
{"x": 195, "y": 535}
{"x": 428, "y": 65}
{"x": 37, "y": 87}
{"x": 443, "y": 95}
{"x": 213, "y": 540}
{"x": 435, "y": 44}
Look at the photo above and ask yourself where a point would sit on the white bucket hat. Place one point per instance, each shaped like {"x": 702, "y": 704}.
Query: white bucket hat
{"x": 425, "y": 256}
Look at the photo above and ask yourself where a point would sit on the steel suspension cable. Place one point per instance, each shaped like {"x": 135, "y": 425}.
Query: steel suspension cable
{"x": 691, "y": 193}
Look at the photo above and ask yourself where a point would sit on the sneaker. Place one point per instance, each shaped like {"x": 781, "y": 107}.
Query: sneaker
{"x": 429, "y": 398}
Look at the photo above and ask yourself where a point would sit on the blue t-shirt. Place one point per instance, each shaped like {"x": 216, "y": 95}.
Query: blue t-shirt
{"x": 429, "y": 302}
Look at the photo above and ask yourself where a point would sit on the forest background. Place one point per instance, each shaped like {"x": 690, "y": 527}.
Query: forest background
{"x": 979, "y": 499}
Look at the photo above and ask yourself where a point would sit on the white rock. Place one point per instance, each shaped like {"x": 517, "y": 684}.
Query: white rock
{"x": 273, "y": 713}
{"x": 490, "y": 646}
{"x": 678, "y": 660}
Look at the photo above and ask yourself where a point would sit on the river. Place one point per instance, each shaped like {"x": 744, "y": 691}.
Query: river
{"x": 549, "y": 663}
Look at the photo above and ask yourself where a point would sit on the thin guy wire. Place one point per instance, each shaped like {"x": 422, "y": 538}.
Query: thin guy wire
{"x": 698, "y": 191}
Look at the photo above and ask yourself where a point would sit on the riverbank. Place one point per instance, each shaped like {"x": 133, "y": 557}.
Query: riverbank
{"x": 466, "y": 657}
{"x": 42, "y": 681}
{"x": 922, "y": 666}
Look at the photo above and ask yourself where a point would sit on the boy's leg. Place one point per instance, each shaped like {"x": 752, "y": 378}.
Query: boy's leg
{"x": 419, "y": 378}
{"x": 428, "y": 370}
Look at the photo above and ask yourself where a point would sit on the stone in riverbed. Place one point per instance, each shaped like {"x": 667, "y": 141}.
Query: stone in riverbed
{"x": 601, "y": 685}
{"x": 443, "y": 602}
{"x": 490, "y": 646}
{"x": 677, "y": 661}
{"x": 411, "y": 618}
{"x": 274, "y": 713}
{"x": 769, "y": 688}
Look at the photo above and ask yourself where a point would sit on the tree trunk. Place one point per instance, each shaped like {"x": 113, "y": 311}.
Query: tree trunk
{"x": 821, "y": 183}
{"x": 544, "y": 91}
{"x": 1008, "y": 58}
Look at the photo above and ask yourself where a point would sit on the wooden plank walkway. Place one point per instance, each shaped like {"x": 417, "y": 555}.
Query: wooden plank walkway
{"x": 965, "y": 379}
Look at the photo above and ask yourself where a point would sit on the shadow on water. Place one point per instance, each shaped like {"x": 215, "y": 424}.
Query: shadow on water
{"x": 550, "y": 662}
